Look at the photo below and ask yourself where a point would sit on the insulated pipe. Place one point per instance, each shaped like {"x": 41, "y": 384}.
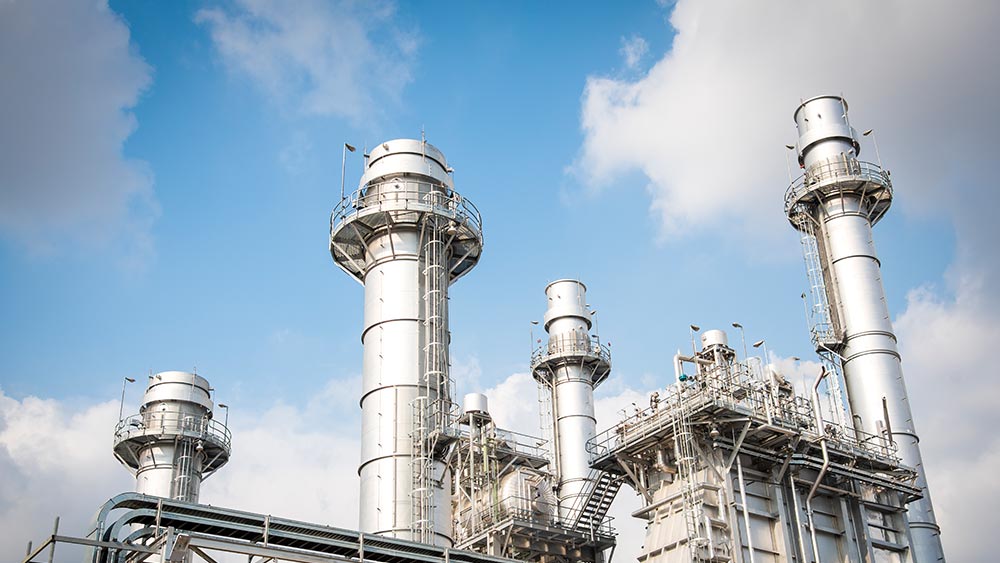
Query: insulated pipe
{"x": 844, "y": 197}
{"x": 406, "y": 236}
{"x": 571, "y": 364}
{"x": 821, "y": 429}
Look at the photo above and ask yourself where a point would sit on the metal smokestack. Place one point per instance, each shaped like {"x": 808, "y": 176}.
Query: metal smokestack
{"x": 173, "y": 444}
{"x": 571, "y": 365}
{"x": 406, "y": 235}
{"x": 836, "y": 203}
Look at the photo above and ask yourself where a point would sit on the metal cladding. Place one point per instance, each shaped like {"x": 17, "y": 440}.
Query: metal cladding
{"x": 836, "y": 202}
{"x": 406, "y": 235}
{"x": 571, "y": 364}
{"x": 173, "y": 444}
{"x": 476, "y": 403}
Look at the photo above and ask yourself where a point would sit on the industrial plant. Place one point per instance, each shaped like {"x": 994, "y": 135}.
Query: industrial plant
{"x": 731, "y": 464}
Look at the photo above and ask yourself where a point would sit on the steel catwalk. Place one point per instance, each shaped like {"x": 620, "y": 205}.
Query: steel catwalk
{"x": 406, "y": 235}
{"x": 843, "y": 197}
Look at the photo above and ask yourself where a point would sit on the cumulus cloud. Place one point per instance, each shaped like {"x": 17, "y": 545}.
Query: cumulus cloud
{"x": 633, "y": 50}
{"x": 315, "y": 57}
{"x": 297, "y": 462}
{"x": 70, "y": 80}
{"x": 292, "y": 461}
{"x": 56, "y": 461}
{"x": 706, "y": 125}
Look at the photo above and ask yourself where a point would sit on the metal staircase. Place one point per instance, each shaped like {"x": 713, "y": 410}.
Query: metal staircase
{"x": 593, "y": 507}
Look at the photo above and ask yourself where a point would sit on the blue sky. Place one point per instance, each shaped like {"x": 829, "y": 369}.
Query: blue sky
{"x": 594, "y": 144}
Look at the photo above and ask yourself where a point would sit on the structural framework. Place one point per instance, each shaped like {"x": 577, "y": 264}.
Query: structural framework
{"x": 731, "y": 464}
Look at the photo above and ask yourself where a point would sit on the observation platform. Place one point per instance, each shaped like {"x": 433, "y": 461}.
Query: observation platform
{"x": 583, "y": 350}
{"x": 138, "y": 431}
{"x": 404, "y": 203}
{"x": 835, "y": 177}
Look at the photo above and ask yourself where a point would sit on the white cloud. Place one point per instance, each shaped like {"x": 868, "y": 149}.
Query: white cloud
{"x": 708, "y": 122}
{"x": 294, "y": 462}
{"x": 633, "y": 50}
{"x": 706, "y": 126}
{"x": 315, "y": 57}
{"x": 55, "y": 461}
{"x": 70, "y": 79}
{"x": 946, "y": 347}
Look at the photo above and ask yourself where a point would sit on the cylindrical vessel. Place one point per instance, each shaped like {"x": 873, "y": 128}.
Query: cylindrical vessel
{"x": 843, "y": 203}
{"x": 572, "y": 363}
{"x": 173, "y": 443}
{"x": 406, "y": 235}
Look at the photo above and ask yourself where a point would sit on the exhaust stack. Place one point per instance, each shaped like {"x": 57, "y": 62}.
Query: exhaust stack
{"x": 837, "y": 202}
{"x": 406, "y": 235}
{"x": 173, "y": 444}
{"x": 571, "y": 365}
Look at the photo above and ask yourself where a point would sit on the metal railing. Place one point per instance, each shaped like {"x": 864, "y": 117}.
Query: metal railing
{"x": 569, "y": 345}
{"x": 832, "y": 170}
{"x": 517, "y": 507}
{"x": 152, "y": 424}
{"x": 740, "y": 388}
{"x": 408, "y": 195}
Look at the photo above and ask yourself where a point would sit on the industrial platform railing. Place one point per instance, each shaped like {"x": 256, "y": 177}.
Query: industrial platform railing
{"x": 832, "y": 171}
{"x": 407, "y": 195}
{"x": 740, "y": 389}
{"x": 524, "y": 509}
{"x": 570, "y": 345}
{"x": 158, "y": 423}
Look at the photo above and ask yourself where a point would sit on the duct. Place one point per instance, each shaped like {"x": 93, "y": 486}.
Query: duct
{"x": 249, "y": 533}
{"x": 821, "y": 430}
{"x": 844, "y": 197}
{"x": 406, "y": 235}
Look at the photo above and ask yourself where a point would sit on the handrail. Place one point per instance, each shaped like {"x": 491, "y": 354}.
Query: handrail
{"x": 407, "y": 195}
{"x": 146, "y": 424}
{"x": 523, "y": 508}
{"x": 740, "y": 388}
{"x": 568, "y": 344}
{"x": 833, "y": 169}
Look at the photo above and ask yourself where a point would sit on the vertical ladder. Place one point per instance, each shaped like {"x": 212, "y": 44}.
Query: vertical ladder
{"x": 687, "y": 466}
{"x": 822, "y": 331}
{"x": 432, "y": 408}
{"x": 821, "y": 327}
{"x": 545, "y": 420}
{"x": 183, "y": 469}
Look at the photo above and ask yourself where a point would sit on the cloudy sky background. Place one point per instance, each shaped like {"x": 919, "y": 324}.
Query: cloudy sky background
{"x": 168, "y": 169}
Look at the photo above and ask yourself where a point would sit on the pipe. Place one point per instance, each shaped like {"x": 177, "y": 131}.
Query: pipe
{"x": 746, "y": 509}
{"x": 826, "y": 461}
{"x": 798, "y": 520}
